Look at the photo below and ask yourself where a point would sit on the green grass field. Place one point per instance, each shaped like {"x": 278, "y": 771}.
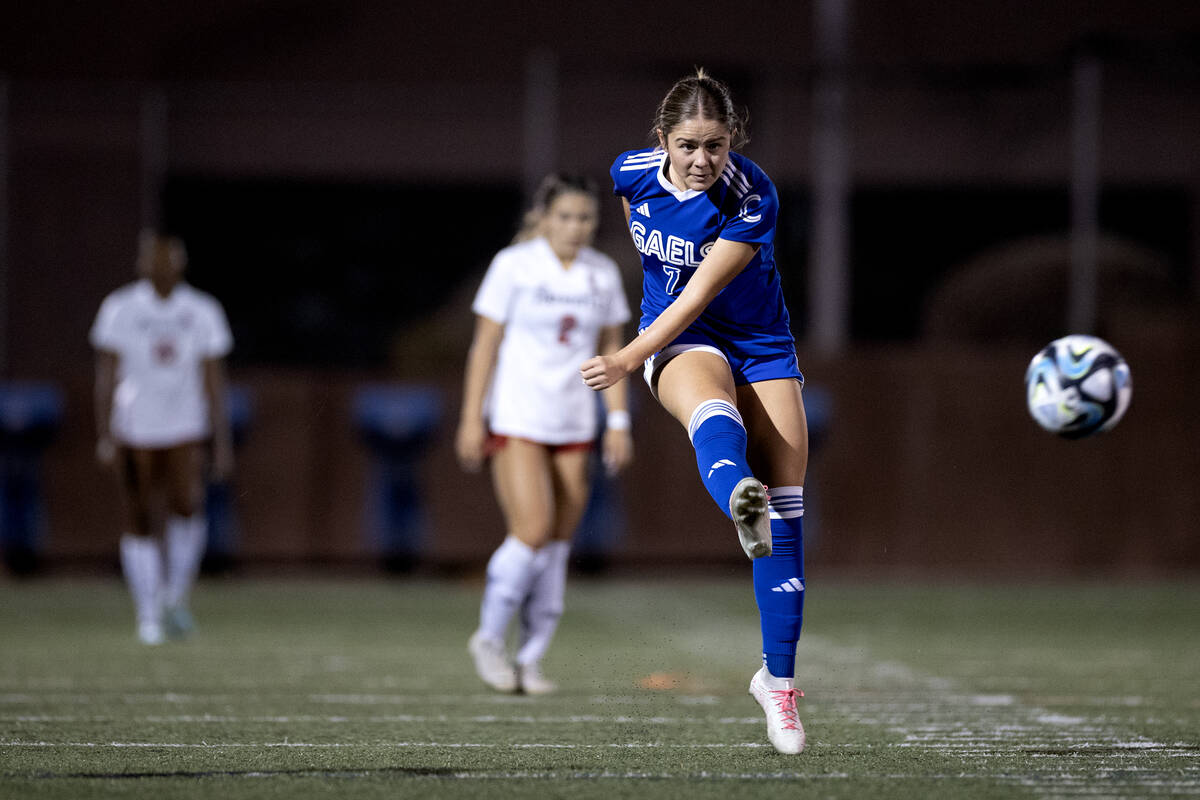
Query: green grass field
{"x": 362, "y": 688}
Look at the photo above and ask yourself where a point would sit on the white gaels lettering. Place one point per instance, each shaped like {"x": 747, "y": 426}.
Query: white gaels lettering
{"x": 671, "y": 249}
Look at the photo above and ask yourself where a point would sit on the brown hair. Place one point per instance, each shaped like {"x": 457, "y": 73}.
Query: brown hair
{"x": 700, "y": 95}
{"x": 553, "y": 186}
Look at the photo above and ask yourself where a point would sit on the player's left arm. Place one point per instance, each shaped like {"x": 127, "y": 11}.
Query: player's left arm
{"x": 722, "y": 264}
{"x": 106, "y": 382}
{"x": 617, "y": 447}
{"x": 215, "y": 385}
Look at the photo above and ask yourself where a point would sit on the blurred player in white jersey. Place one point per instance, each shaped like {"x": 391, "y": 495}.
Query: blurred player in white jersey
{"x": 160, "y": 401}
{"x": 547, "y": 301}
{"x": 716, "y": 344}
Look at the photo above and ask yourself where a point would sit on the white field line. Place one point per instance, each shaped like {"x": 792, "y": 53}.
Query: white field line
{"x": 574, "y": 719}
{"x": 392, "y": 745}
{"x": 1030, "y": 741}
{"x": 916, "y": 711}
{"x": 124, "y": 697}
{"x": 1177, "y": 751}
{"x": 951, "y": 726}
{"x": 903, "y": 700}
{"x": 948, "y": 724}
{"x": 928, "y": 712}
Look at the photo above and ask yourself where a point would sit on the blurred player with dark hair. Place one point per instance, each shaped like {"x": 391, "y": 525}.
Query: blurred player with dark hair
{"x": 547, "y": 301}
{"x": 160, "y": 400}
{"x": 717, "y": 347}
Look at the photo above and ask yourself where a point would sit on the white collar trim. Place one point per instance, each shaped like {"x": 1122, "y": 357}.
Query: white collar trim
{"x": 665, "y": 182}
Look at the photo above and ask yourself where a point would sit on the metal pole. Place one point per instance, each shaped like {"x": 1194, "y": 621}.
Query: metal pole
{"x": 829, "y": 275}
{"x": 154, "y": 153}
{"x": 541, "y": 118}
{"x": 1085, "y": 194}
{"x": 4, "y": 179}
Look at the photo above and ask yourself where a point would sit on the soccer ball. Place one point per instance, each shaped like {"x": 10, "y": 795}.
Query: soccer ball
{"x": 1078, "y": 385}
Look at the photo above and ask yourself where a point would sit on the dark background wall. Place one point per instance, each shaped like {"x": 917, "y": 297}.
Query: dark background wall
{"x": 342, "y": 172}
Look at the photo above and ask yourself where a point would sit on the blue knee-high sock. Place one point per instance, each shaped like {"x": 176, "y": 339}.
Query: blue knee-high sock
{"x": 719, "y": 437}
{"x": 779, "y": 581}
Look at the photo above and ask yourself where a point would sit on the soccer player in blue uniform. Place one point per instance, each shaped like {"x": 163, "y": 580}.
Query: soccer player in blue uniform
{"x": 717, "y": 348}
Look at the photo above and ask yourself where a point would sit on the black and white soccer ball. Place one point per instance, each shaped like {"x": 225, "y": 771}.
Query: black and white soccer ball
{"x": 1078, "y": 385}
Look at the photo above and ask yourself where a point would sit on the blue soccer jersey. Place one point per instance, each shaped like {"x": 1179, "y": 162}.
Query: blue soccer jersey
{"x": 674, "y": 230}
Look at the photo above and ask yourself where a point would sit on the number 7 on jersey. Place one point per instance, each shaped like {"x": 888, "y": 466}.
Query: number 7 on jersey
{"x": 673, "y": 274}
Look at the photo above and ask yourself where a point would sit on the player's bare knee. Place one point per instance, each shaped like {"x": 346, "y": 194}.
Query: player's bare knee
{"x": 186, "y": 504}
{"x": 140, "y": 521}
{"x": 533, "y": 537}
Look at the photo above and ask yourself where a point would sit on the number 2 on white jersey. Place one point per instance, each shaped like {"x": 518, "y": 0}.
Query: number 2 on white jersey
{"x": 565, "y": 325}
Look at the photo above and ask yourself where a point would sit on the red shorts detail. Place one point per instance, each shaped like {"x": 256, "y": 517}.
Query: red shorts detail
{"x": 497, "y": 441}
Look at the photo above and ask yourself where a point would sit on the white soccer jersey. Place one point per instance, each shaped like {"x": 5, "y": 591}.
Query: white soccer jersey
{"x": 552, "y": 319}
{"x": 161, "y": 345}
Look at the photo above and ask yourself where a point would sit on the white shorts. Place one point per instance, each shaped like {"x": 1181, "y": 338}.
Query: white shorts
{"x": 656, "y": 362}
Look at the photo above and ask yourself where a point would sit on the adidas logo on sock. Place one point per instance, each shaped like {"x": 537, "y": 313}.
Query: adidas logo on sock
{"x": 790, "y": 585}
{"x": 644, "y": 210}
{"x": 724, "y": 462}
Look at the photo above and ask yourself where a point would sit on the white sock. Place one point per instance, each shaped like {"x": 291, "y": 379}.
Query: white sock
{"x": 540, "y": 560}
{"x": 545, "y": 606}
{"x": 141, "y": 561}
{"x": 776, "y": 684}
{"x": 510, "y": 572}
{"x": 186, "y": 539}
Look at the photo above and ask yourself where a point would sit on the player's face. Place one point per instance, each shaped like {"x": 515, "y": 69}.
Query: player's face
{"x": 697, "y": 150}
{"x": 161, "y": 263}
{"x": 570, "y": 223}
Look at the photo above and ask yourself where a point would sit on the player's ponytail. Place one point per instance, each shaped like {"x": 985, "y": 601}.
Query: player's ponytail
{"x": 700, "y": 95}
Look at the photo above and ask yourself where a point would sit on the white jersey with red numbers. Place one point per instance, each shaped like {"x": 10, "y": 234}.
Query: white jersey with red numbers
{"x": 161, "y": 346}
{"x": 552, "y": 318}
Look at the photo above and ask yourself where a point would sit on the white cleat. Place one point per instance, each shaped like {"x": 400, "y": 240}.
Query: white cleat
{"x": 751, "y": 517}
{"x": 179, "y": 622}
{"x": 534, "y": 682}
{"x": 491, "y": 663}
{"x": 783, "y": 719}
{"x": 151, "y": 633}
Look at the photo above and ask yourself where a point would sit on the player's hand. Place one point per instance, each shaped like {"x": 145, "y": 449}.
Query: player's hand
{"x": 601, "y": 372}
{"x": 106, "y": 452}
{"x": 469, "y": 445}
{"x": 616, "y": 450}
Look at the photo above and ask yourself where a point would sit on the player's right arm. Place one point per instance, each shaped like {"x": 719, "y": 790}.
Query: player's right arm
{"x": 722, "y": 264}
{"x": 481, "y": 364}
{"x": 106, "y": 381}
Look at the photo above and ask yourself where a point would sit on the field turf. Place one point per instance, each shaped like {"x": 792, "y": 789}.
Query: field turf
{"x": 362, "y": 688}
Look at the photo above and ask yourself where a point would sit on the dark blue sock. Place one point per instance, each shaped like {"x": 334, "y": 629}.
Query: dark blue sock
{"x": 719, "y": 439}
{"x": 779, "y": 582}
